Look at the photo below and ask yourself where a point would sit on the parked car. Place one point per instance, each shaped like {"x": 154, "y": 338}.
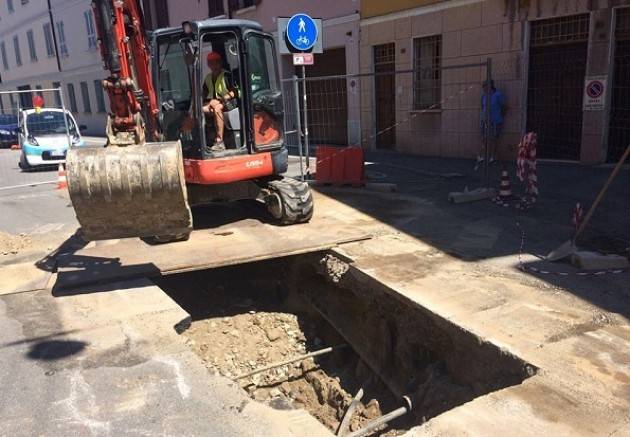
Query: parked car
{"x": 8, "y": 130}
{"x": 43, "y": 136}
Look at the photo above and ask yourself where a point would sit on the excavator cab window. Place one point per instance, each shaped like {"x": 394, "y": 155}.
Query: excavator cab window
{"x": 220, "y": 82}
{"x": 175, "y": 92}
{"x": 266, "y": 95}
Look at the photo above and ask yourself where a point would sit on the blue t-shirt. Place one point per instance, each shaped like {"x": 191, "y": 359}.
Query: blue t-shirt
{"x": 497, "y": 102}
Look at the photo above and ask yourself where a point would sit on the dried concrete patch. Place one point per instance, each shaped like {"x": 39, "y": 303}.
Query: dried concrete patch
{"x": 22, "y": 277}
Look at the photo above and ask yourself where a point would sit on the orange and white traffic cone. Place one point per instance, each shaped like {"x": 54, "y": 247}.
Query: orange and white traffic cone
{"x": 505, "y": 190}
{"x": 62, "y": 182}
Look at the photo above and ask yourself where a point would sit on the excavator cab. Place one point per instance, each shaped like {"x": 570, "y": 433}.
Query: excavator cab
{"x": 146, "y": 189}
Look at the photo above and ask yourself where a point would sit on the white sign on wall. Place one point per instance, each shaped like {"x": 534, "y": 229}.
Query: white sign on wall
{"x": 595, "y": 93}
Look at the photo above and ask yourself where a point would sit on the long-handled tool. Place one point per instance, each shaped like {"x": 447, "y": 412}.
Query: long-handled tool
{"x": 570, "y": 246}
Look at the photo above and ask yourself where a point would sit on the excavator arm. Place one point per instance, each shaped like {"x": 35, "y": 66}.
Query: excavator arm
{"x": 127, "y": 57}
{"x": 130, "y": 187}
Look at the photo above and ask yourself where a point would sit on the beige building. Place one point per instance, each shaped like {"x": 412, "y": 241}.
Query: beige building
{"x": 541, "y": 52}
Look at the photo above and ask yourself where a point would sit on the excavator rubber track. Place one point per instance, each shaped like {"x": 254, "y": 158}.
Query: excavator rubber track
{"x": 132, "y": 191}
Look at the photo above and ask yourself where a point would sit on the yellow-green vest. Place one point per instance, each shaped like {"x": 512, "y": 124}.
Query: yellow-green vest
{"x": 217, "y": 88}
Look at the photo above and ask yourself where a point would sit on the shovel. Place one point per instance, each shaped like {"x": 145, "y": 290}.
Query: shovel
{"x": 569, "y": 247}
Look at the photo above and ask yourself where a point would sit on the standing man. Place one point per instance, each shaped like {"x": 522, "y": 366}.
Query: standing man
{"x": 497, "y": 114}
{"x": 218, "y": 91}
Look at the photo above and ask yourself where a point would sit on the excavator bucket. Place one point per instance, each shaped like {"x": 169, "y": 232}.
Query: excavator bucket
{"x": 132, "y": 191}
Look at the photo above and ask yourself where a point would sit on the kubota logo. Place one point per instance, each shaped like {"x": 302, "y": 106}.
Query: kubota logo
{"x": 254, "y": 164}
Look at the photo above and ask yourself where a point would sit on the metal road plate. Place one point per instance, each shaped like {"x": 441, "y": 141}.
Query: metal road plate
{"x": 243, "y": 241}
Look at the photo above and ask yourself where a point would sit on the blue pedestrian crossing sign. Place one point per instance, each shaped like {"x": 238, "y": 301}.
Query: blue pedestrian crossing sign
{"x": 302, "y": 32}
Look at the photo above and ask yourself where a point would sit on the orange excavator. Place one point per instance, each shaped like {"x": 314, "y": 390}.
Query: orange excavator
{"x": 159, "y": 158}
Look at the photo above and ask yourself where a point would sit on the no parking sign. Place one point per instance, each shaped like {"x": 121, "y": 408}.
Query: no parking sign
{"x": 595, "y": 93}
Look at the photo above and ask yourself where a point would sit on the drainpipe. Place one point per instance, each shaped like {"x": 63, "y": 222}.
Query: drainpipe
{"x": 54, "y": 37}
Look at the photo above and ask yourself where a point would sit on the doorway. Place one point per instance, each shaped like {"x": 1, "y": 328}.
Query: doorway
{"x": 619, "y": 136}
{"x": 557, "y": 67}
{"x": 385, "y": 96}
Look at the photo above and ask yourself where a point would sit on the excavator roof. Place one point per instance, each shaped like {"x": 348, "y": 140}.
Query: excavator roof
{"x": 213, "y": 24}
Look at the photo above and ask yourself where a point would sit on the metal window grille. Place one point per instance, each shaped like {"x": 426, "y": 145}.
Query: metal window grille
{"x": 89, "y": 27}
{"x": 427, "y": 80}
{"x": 61, "y": 34}
{"x": 16, "y": 46}
{"x": 57, "y": 95}
{"x": 48, "y": 37}
{"x": 85, "y": 95}
{"x": 100, "y": 97}
{"x": 560, "y": 30}
{"x": 3, "y": 52}
{"x": 73, "y": 98}
{"x": 215, "y": 8}
{"x": 31, "y": 46}
{"x": 384, "y": 54}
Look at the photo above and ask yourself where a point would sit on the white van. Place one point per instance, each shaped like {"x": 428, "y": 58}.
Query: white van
{"x": 43, "y": 137}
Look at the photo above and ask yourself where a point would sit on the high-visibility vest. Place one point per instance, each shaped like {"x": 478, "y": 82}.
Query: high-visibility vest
{"x": 218, "y": 88}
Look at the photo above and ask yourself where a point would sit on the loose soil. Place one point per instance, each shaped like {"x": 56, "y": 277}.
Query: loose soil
{"x": 13, "y": 244}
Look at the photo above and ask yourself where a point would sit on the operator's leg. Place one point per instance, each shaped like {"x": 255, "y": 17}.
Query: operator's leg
{"x": 217, "y": 109}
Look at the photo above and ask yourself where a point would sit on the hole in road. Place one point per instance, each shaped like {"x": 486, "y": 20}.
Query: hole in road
{"x": 250, "y": 316}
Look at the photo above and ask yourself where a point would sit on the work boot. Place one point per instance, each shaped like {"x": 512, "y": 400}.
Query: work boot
{"x": 219, "y": 146}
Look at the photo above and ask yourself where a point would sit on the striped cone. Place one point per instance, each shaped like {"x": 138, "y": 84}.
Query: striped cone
{"x": 62, "y": 182}
{"x": 505, "y": 190}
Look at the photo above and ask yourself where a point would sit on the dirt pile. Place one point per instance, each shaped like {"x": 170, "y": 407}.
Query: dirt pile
{"x": 12, "y": 244}
{"x": 235, "y": 345}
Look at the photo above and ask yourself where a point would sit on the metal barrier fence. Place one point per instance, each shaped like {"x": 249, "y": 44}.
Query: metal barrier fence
{"x": 433, "y": 110}
{"x": 34, "y": 136}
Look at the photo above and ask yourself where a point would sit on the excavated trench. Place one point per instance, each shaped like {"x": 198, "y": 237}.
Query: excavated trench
{"x": 394, "y": 351}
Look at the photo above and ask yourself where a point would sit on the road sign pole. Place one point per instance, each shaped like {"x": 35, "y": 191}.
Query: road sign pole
{"x": 306, "y": 142}
{"x": 298, "y": 123}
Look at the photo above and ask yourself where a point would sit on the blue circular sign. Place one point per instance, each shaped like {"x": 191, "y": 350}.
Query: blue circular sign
{"x": 302, "y": 32}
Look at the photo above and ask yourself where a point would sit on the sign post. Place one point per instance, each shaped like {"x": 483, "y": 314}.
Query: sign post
{"x": 595, "y": 93}
{"x": 303, "y": 35}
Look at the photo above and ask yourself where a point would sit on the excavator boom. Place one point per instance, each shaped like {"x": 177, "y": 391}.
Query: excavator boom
{"x": 131, "y": 187}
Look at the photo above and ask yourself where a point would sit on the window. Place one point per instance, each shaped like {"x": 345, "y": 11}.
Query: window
{"x": 428, "y": 74}
{"x": 85, "y": 95}
{"x": 215, "y": 8}
{"x": 16, "y": 46}
{"x": 73, "y": 98}
{"x": 31, "y": 46}
{"x": 3, "y": 52}
{"x": 57, "y": 94}
{"x": 100, "y": 97}
{"x": 89, "y": 27}
{"x": 12, "y": 102}
{"x": 61, "y": 34}
{"x": 39, "y": 92}
{"x": 242, "y": 4}
{"x": 48, "y": 36}
{"x": 10, "y": 6}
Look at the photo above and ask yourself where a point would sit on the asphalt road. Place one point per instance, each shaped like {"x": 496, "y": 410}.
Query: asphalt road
{"x": 31, "y": 204}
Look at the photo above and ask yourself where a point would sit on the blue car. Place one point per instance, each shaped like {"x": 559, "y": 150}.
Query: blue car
{"x": 8, "y": 127}
{"x": 44, "y": 137}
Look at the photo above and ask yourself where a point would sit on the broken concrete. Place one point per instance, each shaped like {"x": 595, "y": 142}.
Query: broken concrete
{"x": 586, "y": 260}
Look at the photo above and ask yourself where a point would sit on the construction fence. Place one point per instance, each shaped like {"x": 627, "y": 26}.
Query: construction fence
{"x": 432, "y": 111}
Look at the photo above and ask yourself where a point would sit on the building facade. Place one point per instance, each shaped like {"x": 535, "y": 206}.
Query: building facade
{"x": 56, "y": 47}
{"x": 542, "y": 53}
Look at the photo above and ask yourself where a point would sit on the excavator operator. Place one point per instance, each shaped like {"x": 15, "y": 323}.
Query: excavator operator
{"x": 219, "y": 95}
